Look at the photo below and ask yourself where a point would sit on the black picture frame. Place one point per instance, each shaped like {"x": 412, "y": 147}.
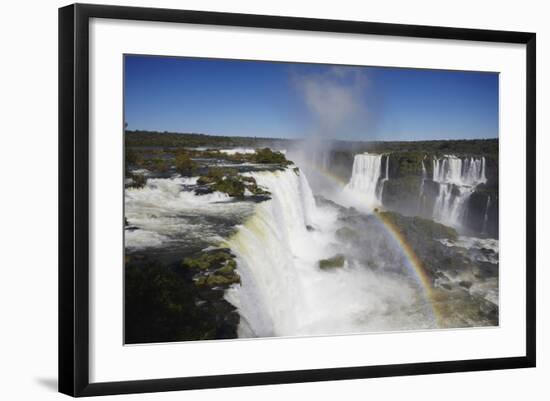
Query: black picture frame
{"x": 74, "y": 200}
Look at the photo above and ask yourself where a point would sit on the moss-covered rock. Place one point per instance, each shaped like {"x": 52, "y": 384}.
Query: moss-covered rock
{"x": 334, "y": 262}
{"x": 209, "y": 260}
{"x": 231, "y": 186}
{"x": 218, "y": 280}
{"x": 229, "y": 181}
{"x": 228, "y": 269}
{"x": 213, "y": 268}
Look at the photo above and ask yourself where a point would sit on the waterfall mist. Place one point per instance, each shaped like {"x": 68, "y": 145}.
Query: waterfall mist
{"x": 336, "y": 106}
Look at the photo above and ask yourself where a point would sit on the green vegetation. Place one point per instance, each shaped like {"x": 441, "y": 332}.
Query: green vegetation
{"x": 161, "y": 152}
{"x": 210, "y": 260}
{"x": 229, "y": 181}
{"x": 336, "y": 261}
{"x": 267, "y": 156}
{"x": 133, "y": 157}
{"x": 342, "y": 153}
{"x": 137, "y": 180}
{"x": 184, "y": 164}
{"x": 218, "y": 280}
{"x": 438, "y": 148}
{"x": 404, "y": 164}
{"x": 213, "y": 269}
{"x": 191, "y": 140}
{"x": 160, "y": 165}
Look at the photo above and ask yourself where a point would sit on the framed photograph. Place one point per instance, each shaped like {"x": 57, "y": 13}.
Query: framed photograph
{"x": 250, "y": 199}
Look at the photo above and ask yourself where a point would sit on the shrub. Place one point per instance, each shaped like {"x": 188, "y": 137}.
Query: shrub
{"x": 133, "y": 157}
{"x": 184, "y": 164}
{"x": 160, "y": 165}
{"x": 138, "y": 181}
{"x": 229, "y": 181}
{"x": 267, "y": 156}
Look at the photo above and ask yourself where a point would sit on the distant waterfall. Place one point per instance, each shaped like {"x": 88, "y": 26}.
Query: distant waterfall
{"x": 461, "y": 172}
{"x": 457, "y": 179}
{"x": 486, "y": 215}
{"x": 421, "y": 194}
{"x": 366, "y": 178}
{"x": 383, "y": 180}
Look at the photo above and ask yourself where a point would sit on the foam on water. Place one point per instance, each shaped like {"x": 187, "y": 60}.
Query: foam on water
{"x": 238, "y": 150}
{"x": 167, "y": 210}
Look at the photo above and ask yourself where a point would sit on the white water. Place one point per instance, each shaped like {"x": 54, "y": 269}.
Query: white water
{"x": 457, "y": 180}
{"x": 238, "y": 150}
{"x": 285, "y": 293}
{"x": 463, "y": 172}
{"x": 364, "y": 184}
{"x": 479, "y": 250}
{"x": 163, "y": 211}
{"x": 383, "y": 180}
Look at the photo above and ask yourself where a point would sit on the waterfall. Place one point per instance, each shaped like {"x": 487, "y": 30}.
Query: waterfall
{"x": 383, "y": 180}
{"x": 271, "y": 248}
{"x": 366, "y": 176}
{"x": 486, "y": 216}
{"x": 283, "y": 291}
{"x": 421, "y": 195}
{"x": 457, "y": 179}
{"x": 462, "y": 172}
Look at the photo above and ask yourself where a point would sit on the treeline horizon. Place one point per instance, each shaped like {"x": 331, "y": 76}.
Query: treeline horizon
{"x": 139, "y": 138}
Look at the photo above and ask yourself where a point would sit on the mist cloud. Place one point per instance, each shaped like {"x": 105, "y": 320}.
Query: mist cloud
{"x": 334, "y": 99}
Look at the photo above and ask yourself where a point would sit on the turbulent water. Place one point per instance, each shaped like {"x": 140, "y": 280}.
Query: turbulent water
{"x": 167, "y": 213}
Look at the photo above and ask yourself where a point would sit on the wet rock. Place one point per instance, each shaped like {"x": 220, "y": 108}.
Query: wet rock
{"x": 337, "y": 261}
{"x": 465, "y": 284}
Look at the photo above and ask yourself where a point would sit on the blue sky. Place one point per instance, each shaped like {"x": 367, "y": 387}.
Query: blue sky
{"x": 292, "y": 100}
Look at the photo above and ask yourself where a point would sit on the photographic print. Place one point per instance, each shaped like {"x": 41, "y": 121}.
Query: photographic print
{"x": 283, "y": 199}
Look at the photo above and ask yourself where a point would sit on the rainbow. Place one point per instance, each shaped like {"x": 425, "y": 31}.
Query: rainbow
{"x": 414, "y": 263}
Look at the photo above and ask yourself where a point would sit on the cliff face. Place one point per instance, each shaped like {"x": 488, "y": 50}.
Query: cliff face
{"x": 460, "y": 190}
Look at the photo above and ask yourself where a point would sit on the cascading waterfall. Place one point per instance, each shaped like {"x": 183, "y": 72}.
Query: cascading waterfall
{"x": 486, "y": 215}
{"x": 284, "y": 292}
{"x": 383, "y": 180}
{"x": 457, "y": 179}
{"x": 365, "y": 178}
{"x": 424, "y": 177}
